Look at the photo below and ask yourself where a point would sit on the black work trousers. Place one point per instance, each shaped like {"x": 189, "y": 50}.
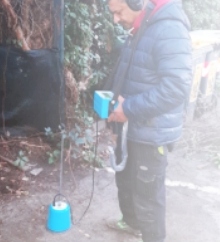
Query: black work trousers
{"x": 141, "y": 189}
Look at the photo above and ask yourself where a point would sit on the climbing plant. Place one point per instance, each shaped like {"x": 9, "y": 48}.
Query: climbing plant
{"x": 89, "y": 39}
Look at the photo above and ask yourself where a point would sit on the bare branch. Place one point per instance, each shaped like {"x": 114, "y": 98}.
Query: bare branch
{"x": 10, "y": 162}
{"x": 13, "y": 24}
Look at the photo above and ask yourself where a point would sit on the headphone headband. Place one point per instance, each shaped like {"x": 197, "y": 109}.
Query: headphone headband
{"x": 135, "y": 5}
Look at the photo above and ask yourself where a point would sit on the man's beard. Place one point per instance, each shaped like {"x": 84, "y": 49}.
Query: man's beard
{"x": 125, "y": 25}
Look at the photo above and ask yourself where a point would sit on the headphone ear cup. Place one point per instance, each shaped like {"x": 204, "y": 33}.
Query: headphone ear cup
{"x": 135, "y": 5}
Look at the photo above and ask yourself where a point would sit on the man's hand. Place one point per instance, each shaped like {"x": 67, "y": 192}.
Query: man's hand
{"x": 118, "y": 114}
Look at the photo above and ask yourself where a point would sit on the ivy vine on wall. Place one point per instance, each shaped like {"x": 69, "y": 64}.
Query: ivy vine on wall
{"x": 89, "y": 39}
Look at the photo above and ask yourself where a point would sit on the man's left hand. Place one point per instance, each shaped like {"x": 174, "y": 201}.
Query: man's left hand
{"x": 118, "y": 114}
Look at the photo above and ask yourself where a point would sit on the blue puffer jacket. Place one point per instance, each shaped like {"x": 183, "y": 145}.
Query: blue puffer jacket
{"x": 157, "y": 84}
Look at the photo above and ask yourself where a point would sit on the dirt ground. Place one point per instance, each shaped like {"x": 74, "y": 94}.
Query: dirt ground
{"x": 193, "y": 200}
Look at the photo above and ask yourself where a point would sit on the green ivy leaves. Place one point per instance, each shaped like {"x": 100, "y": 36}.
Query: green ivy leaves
{"x": 21, "y": 159}
{"x": 89, "y": 35}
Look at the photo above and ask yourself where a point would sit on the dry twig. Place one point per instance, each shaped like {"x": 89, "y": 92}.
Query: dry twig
{"x": 13, "y": 24}
{"x": 11, "y": 162}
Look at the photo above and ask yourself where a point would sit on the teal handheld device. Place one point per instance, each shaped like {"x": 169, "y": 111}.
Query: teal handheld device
{"x": 101, "y": 105}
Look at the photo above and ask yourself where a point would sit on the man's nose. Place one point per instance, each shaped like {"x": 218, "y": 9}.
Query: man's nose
{"x": 116, "y": 19}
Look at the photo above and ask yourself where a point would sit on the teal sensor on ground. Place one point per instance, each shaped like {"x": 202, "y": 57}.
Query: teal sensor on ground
{"x": 101, "y": 103}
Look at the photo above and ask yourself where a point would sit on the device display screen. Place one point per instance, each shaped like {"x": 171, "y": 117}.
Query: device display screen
{"x": 107, "y": 95}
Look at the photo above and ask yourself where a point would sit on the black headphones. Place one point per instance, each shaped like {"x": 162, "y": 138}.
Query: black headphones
{"x": 135, "y": 5}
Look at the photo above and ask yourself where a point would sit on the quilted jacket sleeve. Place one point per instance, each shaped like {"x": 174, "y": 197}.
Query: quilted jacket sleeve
{"x": 173, "y": 64}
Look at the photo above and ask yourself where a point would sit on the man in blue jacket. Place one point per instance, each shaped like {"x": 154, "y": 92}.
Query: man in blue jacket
{"x": 156, "y": 85}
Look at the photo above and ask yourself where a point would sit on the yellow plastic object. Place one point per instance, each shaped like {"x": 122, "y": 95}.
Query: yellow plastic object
{"x": 161, "y": 150}
{"x": 197, "y": 43}
{"x": 201, "y": 38}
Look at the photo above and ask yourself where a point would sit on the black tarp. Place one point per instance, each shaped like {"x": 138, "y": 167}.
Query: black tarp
{"x": 29, "y": 88}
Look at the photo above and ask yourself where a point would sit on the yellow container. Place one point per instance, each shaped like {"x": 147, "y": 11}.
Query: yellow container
{"x": 201, "y": 38}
